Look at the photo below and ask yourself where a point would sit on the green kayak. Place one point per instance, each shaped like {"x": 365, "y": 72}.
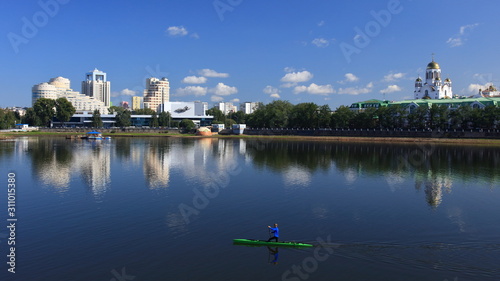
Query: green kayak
{"x": 252, "y": 242}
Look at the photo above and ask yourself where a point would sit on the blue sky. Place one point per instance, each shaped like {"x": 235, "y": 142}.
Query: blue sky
{"x": 327, "y": 52}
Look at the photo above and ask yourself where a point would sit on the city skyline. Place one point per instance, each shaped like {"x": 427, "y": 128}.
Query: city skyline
{"x": 237, "y": 51}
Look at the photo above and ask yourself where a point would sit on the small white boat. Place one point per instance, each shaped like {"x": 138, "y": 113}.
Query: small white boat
{"x": 96, "y": 136}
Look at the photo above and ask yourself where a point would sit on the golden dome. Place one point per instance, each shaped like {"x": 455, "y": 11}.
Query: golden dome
{"x": 433, "y": 65}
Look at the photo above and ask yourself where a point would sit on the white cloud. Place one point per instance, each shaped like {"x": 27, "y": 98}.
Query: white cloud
{"x": 223, "y": 90}
{"x": 191, "y": 91}
{"x": 194, "y": 80}
{"x": 474, "y": 88}
{"x": 297, "y": 77}
{"x": 216, "y": 98}
{"x": 289, "y": 69}
{"x": 124, "y": 92}
{"x": 320, "y": 42}
{"x": 356, "y": 90}
{"x": 195, "y": 36}
{"x": 315, "y": 89}
{"x": 393, "y": 76}
{"x": 321, "y": 23}
{"x": 235, "y": 100}
{"x": 177, "y": 31}
{"x": 272, "y": 92}
{"x": 212, "y": 73}
{"x": 128, "y": 92}
{"x": 461, "y": 37}
{"x": 349, "y": 77}
{"x": 391, "y": 89}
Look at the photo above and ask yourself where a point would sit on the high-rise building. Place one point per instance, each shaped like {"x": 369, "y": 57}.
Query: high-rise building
{"x": 226, "y": 107}
{"x": 248, "y": 107}
{"x": 157, "y": 92}
{"x": 137, "y": 103}
{"x": 59, "y": 87}
{"x": 96, "y": 85}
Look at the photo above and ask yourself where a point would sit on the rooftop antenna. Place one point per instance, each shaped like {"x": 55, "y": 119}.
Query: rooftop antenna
{"x": 432, "y": 56}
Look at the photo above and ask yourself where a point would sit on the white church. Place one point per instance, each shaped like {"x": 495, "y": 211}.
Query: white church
{"x": 433, "y": 88}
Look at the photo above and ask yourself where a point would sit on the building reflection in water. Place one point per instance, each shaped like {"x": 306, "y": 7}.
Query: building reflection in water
{"x": 202, "y": 161}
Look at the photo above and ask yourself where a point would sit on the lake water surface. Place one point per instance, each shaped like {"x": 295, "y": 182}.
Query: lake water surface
{"x": 168, "y": 209}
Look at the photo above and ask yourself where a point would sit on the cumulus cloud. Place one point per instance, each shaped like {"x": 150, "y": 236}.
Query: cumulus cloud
{"x": 177, "y": 31}
{"x": 212, "y": 73}
{"x": 223, "y": 90}
{"x": 356, "y": 90}
{"x": 272, "y": 92}
{"x": 391, "y": 89}
{"x": 124, "y": 92}
{"x": 235, "y": 100}
{"x": 461, "y": 37}
{"x": 349, "y": 77}
{"x": 289, "y": 69}
{"x": 474, "y": 88}
{"x": 320, "y": 42}
{"x": 393, "y": 76}
{"x": 194, "y": 80}
{"x": 216, "y": 99}
{"x": 297, "y": 77}
{"x": 191, "y": 91}
{"x": 315, "y": 89}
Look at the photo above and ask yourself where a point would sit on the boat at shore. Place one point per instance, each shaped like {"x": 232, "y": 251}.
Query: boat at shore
{"x": 96, "y": 136}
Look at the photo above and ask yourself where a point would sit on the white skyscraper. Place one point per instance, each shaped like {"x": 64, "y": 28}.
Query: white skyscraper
{"x": 157, "y": 92}
{"x": 97, "y": 86}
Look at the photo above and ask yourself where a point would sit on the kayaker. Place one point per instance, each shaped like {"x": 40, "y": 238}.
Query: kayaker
{"x": 275, "y": 231}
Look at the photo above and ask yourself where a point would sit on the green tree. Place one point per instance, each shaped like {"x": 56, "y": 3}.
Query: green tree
{"x": 491, "y": 116}
{"x": 154, "y": 121}
{"x": 115, "y": 109}
{"x": 460, "y": 117}
{"x": 187, "y": 124}
{"x": 229, "y": 123}
{"x": 64, "y": 110}
{"x": 30, "y": 118}
{"x": 238, "y": 116}
{"x": 7, "y": 119}
{"x": 164, "y": 119}
{"x": 304, "y": 115}
{"x": 123, "y": 118}
{"x": 324, "y": 115}
{"x": 418, "y": 117}
{"x": 342, "y": 117}
{"x": 44, "y": 110}
{"x": 276, "y": 114}
{"x": 365, "y": 119}
{"x": 96, "y": 119}
{"x": 217, "y": 114}
{"x": 145, "y": 111}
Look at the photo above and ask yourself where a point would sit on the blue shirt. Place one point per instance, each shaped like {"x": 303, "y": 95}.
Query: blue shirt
{"x": 275, "y": 231}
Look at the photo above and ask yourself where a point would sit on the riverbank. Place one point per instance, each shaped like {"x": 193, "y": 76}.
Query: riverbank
{"x": 350, "y": 139}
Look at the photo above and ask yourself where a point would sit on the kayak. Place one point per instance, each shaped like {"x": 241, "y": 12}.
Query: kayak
{"x": 253, "y": 242}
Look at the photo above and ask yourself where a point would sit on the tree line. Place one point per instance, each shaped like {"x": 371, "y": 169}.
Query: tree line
{"x": 283, "y": 114}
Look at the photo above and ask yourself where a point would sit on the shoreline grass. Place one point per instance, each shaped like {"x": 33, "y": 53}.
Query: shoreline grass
{"x": 465, "y": 141}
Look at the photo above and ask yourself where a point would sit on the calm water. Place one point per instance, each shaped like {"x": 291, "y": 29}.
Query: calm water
{"x": 168, "y": 209}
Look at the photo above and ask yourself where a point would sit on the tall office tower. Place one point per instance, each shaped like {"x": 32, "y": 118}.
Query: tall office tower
{"x": 248, "y": 107}
{"x": 97, "y": 86}
{"x": 157, "y": 92}
{"x": 137, "y": 102}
